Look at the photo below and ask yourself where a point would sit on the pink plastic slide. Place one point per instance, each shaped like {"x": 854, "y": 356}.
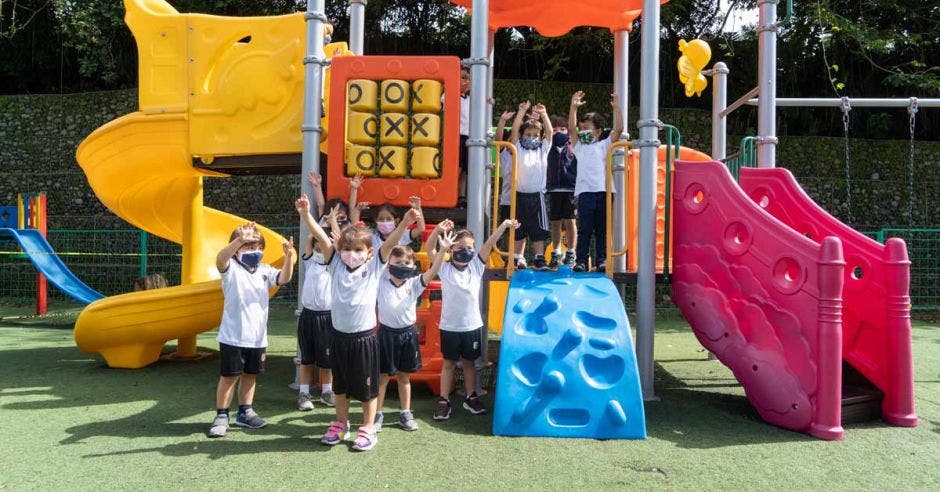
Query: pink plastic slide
{"x": 768, "y": 300}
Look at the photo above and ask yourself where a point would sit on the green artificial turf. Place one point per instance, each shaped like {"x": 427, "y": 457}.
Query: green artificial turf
{"x": 67, "y": 421}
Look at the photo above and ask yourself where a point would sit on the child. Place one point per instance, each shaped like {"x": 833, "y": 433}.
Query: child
{"x": 385, "y": 221}
{"x": 562, "y": 173}
{"x": 505, "y": 176}
{"x": 530, "y": 181}
{"x": 354, "y": 349}
{"x": 461, "y": 321}
{"x": 323, "y": 206}
{"x": 591, "y": 184}
{"x": 399, "y": 353}
{"x": 315, "y": 322}
{"x": 152, "y": 281}
{"x": 243, "y": 331}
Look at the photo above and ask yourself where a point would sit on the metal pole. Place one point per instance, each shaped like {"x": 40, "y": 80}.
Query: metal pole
{"x": 478, "y": 62}
{"x": 719, "y": 102}
{"x": 767, "y": 83}
{"x": 621, "y": 87}
{"x": 648, "y": 143}
{"x": 357, "y": 26}
{"x": 491, "y": 55}
{"x": 856, "y": 102}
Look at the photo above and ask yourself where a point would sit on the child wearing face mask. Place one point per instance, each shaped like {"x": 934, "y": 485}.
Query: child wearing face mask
{"x": 385, "y": 217}
{"x": 243, "y": 331}
{"x": 532, "y": 154}
{"x": 561, "y": 178}
{"x": 325, "y": 207}
{"x": 461, "y": 321}
{"x": 355, "y": 268}
{"x": 399, "y": 352}
{"x": 591, "y": 183}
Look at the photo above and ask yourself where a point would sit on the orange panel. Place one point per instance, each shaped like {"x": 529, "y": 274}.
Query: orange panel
{"x": 557, "y": 17}
{"x": 436, "y": 192}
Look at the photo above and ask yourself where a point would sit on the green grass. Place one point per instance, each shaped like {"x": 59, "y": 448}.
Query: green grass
{"x": 68, "y": 421}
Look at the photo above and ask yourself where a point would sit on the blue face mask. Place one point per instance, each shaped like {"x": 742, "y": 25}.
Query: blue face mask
{"x": 251, "y": 259}
{"x": 462, "y": 255}
{"x": 531, "y": 143}
{"x": 327, "y": 39}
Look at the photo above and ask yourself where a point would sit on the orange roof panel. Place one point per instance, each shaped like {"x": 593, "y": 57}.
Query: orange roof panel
{"x": 557, "y": 17}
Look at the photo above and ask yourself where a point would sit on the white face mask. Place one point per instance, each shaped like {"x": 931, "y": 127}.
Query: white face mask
{"x": 385, "y": 227}
{"x": 354, "y": 259}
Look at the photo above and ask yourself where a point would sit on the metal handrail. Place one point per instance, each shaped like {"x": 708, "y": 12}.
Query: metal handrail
{"x": 499, "y": 145}
{"x": 611, "y": 254}
{"x": 673, "y": 148}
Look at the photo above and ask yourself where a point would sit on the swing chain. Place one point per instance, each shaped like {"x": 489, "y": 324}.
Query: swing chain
{"x": 912, "y": 111}
{"x": 846, "y": 107}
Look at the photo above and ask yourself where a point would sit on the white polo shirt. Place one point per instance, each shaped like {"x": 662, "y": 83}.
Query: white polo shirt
{"x": 460, "y": 289}
{"x": 397, "y": 303}
{"x": 592, "y": 166}
{"x": 245, "y": 309}
{"x": 316, "y": 294}
{"x": 505, "y": 176}
{"x": 354, "y": 293}
{"x": 405, "y": 240}
{"x": 531, "y": 175}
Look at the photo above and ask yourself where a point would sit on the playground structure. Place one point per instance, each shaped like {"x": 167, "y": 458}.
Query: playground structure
{"x": 778, "y": 307}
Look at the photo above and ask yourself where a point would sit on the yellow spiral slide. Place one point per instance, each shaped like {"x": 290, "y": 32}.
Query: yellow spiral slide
{"x": 209, "y": 87}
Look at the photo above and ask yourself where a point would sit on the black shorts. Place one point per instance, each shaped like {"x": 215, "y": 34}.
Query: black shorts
{"x": 464, "y": 154}
{"x": 398, "y": 350}
{"x": 238, "y": 360}
{"x": 503, "y": 214}
{"x": 313, "y": 337}
{"x": 531, "y": 214}
{"x": 355, "y": 360}
{"x": 457, "y": 345}
{"x": 560, "y": 205}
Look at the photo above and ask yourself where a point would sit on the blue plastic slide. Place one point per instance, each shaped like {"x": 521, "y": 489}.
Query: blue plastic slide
{"x": 566, "y": 361}
{"x": 49, "y": 264}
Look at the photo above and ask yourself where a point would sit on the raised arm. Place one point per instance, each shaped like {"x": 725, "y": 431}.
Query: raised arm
{"x": 302, "y": 205}
{"x": 491, "y": 241}
{"x": 501, "y": 124}
{"x": 444, "y": 243}
{"x": 419, "y": 224}
{"x": 430, "y": 246}
{"x": 618, "y": 118}
{"x": 246, "y": 234}
{"x": 287, "y": 271}
{"x": 547, "y": 129}
{"x": 517, "y": 123}
{"x": 577, "y": 100}
{"x": 395, "y": 237}
{"x": 316, "y": 182}
{"x": 354, "y": 210}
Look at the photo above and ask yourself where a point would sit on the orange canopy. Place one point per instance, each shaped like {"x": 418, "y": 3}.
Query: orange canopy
{"x": 557, "y": 17}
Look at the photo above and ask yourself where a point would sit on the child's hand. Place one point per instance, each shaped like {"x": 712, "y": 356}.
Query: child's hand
{"x": 614, "y": 100}
{"x": 355, "y": 182}
{"x": 577, "y": 99}
{"x": 247, "y": 233}
{"x": 506, "y": 115}
{"x": 511, "y": 224}
{"x": 445, "y": 225}
{"x": 333, "y": 214}
{"x": 415, "y": 202}
{"x": 411, "y": 216}
{"x": 540, "y": 109}
{"x": 302, "y": 205}
{"x": 288, "y": 246}
{"x": 363, "y": 206}
{"x": 524, "y": 106}
{"x": 446, "y": 241}
{"x": 315, "y": 179}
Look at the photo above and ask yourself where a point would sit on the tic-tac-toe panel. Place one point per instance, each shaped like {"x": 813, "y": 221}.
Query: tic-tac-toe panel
{"x": 566, "y": 361}
{"x": 400, "y": 117}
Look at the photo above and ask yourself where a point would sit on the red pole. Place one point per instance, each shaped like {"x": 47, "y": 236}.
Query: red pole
{"x": 42, "y": 290}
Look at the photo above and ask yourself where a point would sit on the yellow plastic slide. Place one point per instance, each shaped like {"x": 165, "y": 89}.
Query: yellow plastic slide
{"x": 209, "y": 86}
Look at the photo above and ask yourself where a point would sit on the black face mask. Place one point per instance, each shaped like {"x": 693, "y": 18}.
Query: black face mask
{"x": 403, "y": 272}
{"x": 462, "y": 255}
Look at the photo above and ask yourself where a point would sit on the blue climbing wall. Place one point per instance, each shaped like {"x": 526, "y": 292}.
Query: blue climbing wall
{"x": 566, "y": 361}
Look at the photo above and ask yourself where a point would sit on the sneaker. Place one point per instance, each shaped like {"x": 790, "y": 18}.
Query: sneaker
{"x": 219, "y": 425}
{"x": 556, "y": 258}
{"x": 579, "y": 267}
{"x": 570, "y": 259}
{"x": 328, "y": 399}
{"x": 521, "y": 264}
{"x": 366, "y": 439}
{"x": 406, "y": 420}
{"x": 601, "y": 267}
{"x": 379, "y": 418}
{"x": 249, "y": 420}
{"x": 304, "y": 402}
{"x": 337, "y": 432}
{"x": 539, "y": 263}
{"x": 443, "y": 410}
{"x": 473, "y": 405}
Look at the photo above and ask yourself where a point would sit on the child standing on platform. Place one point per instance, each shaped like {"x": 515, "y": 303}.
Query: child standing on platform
{"x": 533, "y": 142}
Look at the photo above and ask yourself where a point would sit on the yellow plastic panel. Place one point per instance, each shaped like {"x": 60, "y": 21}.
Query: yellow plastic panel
{"x": 425, "y": 129}
{"x": 391, "y": 162}
{"x": 160, "y": 32}
{"x": 395, "y": 95}
{"x": 425, "y": 162}
{"x": 363, "y": 95}
{"x": 360, "y": 160}
{"x": 393, "y": 129}
{"x": 426, "y": 96}
{"x": 498, "y": 290}
{"x": 362, "y": 128}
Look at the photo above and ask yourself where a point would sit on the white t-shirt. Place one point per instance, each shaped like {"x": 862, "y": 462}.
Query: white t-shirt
{"x": 245, "y": 309}
{"x": 354, "y": 293}
{"x": 465, "y": 115}
{"x": 505, "y": 176}
{"x": 397, "y": 304}
{"x": 460, "y": 309}
{"x": 592, "y": 166}
{"x": 316, "y": 294}
{"x": 404, "y": 241}
{"x": 533, "y": 168}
